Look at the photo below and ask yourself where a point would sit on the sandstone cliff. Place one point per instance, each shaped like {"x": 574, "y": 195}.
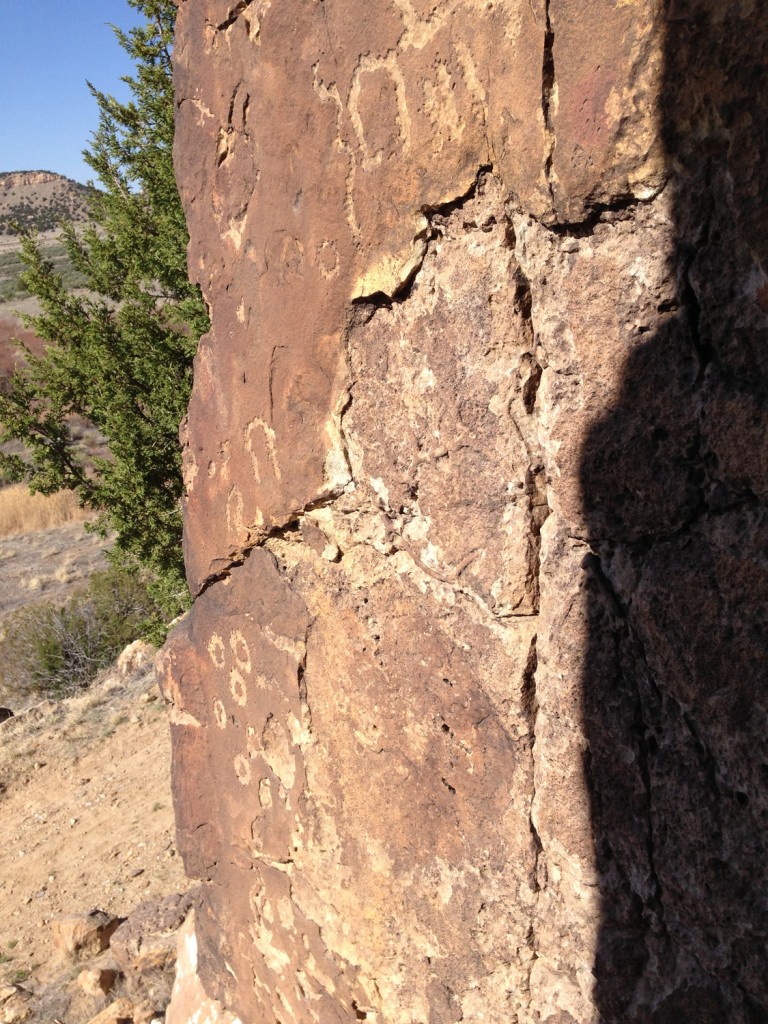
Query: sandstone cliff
{"x": 20, "y": 179}
{"x": 470, "y": 715}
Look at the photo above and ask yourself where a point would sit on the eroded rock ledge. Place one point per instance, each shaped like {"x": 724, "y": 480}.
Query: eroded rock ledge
{"x": 468, "y": 715}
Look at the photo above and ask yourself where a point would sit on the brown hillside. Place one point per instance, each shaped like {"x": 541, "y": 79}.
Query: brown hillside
{"x": 39, "y": 200}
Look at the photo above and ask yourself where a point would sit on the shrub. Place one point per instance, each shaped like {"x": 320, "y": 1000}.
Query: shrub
{"x": 53, "y": 650}
{"x": 119, "y": 356}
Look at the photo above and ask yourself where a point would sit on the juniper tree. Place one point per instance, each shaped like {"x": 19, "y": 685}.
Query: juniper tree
{"x": 119, "y": 355}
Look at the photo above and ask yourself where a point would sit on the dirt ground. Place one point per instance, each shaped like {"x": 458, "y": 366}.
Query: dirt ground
{"x": 47, "y": 565}
{"x": 85, "y": 817}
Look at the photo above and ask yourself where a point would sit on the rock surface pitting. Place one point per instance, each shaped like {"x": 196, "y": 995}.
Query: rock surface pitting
{"x": 469, "y": 715}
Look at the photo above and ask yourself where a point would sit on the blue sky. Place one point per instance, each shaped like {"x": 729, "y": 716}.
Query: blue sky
{"x": 49, "y": 48}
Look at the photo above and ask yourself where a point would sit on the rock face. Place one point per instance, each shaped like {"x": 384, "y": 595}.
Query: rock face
{"x": 470, "y": 714}
{"x": 144, "y": 948}
{"x": 189, "y": 1002}
{"x": 18, "y": 179}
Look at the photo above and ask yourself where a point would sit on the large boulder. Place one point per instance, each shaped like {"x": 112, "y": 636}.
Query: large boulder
{"x": 144, "y": 948}
{"x": 469, "y": 716}
{"x": 84, "y": 935}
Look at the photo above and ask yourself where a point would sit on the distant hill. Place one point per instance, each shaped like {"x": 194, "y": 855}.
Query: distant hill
{"x": 39, "y": 200}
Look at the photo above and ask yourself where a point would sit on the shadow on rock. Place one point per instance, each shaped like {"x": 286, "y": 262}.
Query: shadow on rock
{"x": 674, "y": 482}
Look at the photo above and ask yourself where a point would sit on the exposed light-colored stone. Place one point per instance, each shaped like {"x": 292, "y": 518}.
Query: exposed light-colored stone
{"x": 469, "y": 714}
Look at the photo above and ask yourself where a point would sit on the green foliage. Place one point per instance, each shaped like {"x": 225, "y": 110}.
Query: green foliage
{"x": 53, "y": 650}
{"x": 11, "y": 269}
{"x": 120, "y": 357}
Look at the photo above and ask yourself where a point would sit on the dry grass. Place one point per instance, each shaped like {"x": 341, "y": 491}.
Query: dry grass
{"x": 24, "y": 512}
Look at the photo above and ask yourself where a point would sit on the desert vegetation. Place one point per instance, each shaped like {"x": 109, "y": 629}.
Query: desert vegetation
{"x": 14, "y": 341}
{"x": 90, "y": 403}
{"x": 118, "y": 356}
{"x": 51, "y": 650}
{"x": 21, "y": 511}
{"x": 12, "y": 286}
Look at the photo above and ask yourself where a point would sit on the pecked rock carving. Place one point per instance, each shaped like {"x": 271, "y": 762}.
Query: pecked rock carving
{"x": 469, "y": 715}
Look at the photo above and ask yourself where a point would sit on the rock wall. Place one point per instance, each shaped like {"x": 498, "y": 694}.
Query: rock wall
{"x": 18, "y": 179}
{"x": 470, "y": 713}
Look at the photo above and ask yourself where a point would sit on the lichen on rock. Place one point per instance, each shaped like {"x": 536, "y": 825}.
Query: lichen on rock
{"x": 467, "y": 714}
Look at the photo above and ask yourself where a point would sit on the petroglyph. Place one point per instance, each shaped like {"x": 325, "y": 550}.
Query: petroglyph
{"x": 217, "y": 651}
{"x": 406, "y": 635}
{"x": 252, "y": 744}
{"x": 235, "y": 230}
{"x": 291, "y": 258}
{"x": 265, "y": 794}
{"x": 235, "y": 510}
{"x": 240, "y": 650}
{"x": 327, "y": 259}
{"x": 440, "y": 107}
{"x": 203, "y": 112}
{"x": 190, "y": 470}
{"x": 276, "y": 748}
{"x": 219, "y": 713}
{"x": 420, "y": 31}
{"x": 241, "y": 654}
{"x": 242, "y": 768}
{"x": 372, "y": 155}
{"x": 214, "y": 467}
{"x": 268, "y": 436}
{"x": 238, "y": 688}
{"x": 471, "y": 75}
{"x": 330, "y": 94}
{"x": 296, "y": 648}
{"x": 285, "y": 254}
{"x": 222, "y": 465}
